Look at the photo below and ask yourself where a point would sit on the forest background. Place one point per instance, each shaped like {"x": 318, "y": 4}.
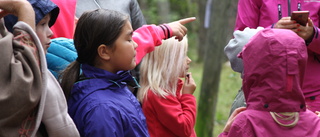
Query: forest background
{"x": 217, "y": 84}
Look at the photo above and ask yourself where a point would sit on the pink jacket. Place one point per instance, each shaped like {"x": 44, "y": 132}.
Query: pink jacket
{"x": 65, "y": 23}
{"x": 272, "y": 80}
{"x": 147, "y": 37}
{"x": 264, "y": 13}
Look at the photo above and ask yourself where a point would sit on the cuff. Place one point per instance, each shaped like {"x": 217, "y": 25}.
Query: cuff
{"x": 167, "y": 31}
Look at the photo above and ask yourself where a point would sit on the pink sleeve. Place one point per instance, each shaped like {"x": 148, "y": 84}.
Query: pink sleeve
{"x": 147, "y": 37}
{"x": 315, "y": 43}
{"x": 247, "y": 15}
{"x": 179, "y": 115}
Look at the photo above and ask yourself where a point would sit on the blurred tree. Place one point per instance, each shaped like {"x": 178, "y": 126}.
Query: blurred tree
{"x": 202, "y": 31}
{"x": 174, "y": 10}
{"x": 163, "y": 10}
{"x": 216, "y": 36}
{"x": 149, "y": 10}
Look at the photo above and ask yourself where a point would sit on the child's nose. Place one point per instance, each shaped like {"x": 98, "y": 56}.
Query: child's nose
{"x": 50, "y": 33}
{"x": 135, "y": 45}
{"x": 189, "y": 60}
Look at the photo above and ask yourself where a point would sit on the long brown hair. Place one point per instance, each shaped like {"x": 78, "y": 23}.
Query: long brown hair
{"x": 94, "y": 28}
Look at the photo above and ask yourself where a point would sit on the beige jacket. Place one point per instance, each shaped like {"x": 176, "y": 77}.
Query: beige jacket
{"x": 29, "y": 94}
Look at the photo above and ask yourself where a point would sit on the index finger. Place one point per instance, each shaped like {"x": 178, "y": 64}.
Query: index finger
{"x": 187, "y": 20}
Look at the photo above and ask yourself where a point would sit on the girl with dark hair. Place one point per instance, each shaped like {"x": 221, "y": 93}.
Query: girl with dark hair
{"x": 99, "y": 101}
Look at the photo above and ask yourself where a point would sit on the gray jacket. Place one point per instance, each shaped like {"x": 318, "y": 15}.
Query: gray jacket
{"x": 129, "y": 7}
{"x": 29, "y": 93}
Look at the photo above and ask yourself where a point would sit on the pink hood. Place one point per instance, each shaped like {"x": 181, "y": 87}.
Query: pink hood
{"x": 274, "y": 65}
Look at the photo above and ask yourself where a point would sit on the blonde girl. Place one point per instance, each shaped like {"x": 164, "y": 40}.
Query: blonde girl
{"x": 167, "y": 101}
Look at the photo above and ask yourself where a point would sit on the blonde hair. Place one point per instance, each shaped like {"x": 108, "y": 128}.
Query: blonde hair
{"x": 160, "y": 69}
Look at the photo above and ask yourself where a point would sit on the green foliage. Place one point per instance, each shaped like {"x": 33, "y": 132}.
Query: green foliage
{"x": 150, "y": 13}
{"x": 178, "y": 10}
{"x": 230, "y": 83}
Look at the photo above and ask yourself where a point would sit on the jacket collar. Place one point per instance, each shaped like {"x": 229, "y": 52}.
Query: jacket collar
{"x": 120, "y": 78}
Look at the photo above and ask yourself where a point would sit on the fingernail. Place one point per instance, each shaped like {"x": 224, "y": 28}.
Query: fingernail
{"x": 299, "y": 30}
{"x": 298, "y": 25}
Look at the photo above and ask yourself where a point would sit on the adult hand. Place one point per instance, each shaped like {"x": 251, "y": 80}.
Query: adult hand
{"x": 286, "y": 23}
{"x": 306, "y": 32}
{"x": 178, "y": 28}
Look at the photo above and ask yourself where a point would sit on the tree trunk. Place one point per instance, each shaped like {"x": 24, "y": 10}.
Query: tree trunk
{"x": 216, "y": 39}
{"x": 163, "y": 11}
{"x": 202, "y": 30}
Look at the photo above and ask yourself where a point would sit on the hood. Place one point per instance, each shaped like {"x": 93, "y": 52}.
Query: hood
{"x": 41, "y": 9}
{"x": 274, "y": 64}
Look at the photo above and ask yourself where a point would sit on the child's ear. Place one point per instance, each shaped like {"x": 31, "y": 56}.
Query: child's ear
{"x": 104, "y": 52}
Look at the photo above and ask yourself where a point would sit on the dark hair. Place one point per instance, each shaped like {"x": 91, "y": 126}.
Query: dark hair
{"x": 94, "y": 28}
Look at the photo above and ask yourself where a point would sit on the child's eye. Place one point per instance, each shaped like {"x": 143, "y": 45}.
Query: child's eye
{"x": 130, "y": 40}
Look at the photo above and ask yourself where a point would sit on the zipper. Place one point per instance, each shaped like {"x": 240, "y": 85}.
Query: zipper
{"x": 289, "y": 9}
{"x": 279, "y": 12}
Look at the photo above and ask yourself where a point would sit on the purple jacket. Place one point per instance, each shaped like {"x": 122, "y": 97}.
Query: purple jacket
{"x": 264, "y": 13}
{"x": 274, "y": 69}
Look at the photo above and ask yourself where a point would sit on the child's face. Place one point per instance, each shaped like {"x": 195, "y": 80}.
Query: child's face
{"x": 44, "y": 32}
{"x": 186, "y": 66}
{"x": 123, "y": 56}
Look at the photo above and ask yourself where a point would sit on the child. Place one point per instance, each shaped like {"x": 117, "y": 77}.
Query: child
{"x": 31, "y": 96}
{"x": 233, "y": 48}
{"x": 274, "y": 63}
{"x": 276, "y": 14}
{"x": 167, "y": 101}
{"x": 99, "y": 101}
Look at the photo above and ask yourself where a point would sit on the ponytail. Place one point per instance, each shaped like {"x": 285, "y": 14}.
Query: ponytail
{"x": 68, "y": 77}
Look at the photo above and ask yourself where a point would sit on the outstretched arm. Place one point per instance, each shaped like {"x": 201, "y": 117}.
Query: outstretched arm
{"x": 178, "y": 28}
{"x": 149, "y": 36}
